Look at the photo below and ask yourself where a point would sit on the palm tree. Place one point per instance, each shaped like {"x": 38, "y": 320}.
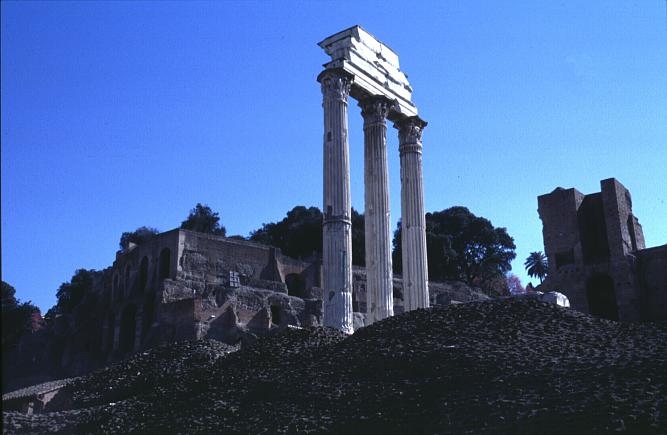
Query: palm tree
{"x": 536, "y": 265}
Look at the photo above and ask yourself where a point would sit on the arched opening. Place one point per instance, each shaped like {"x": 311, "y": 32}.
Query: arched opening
{"x": 143, "y": 275}
{"x": 601, "y": 297}
{"x": 111, "y": 326}
{"x": 148, "y": 315}
{"x": 165, "y": 263}
{"x": 296, "y": 285}
{"x": 127, "y": 329}
{"x": 275, "y": 314}
{"x": 116, "y": 288}
{"x": 128, "y": 268}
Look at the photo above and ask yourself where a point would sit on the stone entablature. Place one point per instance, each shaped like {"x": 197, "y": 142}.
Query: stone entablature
{"x": 374, "y": 66}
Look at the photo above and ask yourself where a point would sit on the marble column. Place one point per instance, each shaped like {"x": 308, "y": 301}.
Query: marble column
{"x": 413, "y": 227}
{"x": 379, "y": 284}
{"x": 337, "y": 234}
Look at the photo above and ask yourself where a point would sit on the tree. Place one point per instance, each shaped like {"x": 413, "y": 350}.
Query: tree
{"x": 536, "y": 265}
{"x": 70, "y": 294}
{"x": 16, "y": 317}
{"x": 514, "y": 284}
{"x": 204, "y": 220}
{"x": 138, "y": 236}
{"x": 464, "y": 247}
{"x": 299, "y": 234}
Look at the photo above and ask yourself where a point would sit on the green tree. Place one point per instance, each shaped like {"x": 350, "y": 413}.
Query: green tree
{"x": 299, "y": 234}
{"x": 16, "y": 317}
{"x": 204, "y": 220}
{"x": 70, "y": 294}
{"x": 138, "y": 236}
{"x": 536, "y": 265}
{"x": 464, "y": 247}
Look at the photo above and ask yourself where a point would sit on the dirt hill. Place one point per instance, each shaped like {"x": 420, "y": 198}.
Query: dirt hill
{"x": 501, "y": 366}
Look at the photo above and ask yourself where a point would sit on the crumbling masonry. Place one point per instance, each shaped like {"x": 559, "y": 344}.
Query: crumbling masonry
{"x": 596, "y": 253}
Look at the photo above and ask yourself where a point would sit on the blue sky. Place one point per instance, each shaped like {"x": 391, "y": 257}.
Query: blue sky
{"x": 122, "y": 114}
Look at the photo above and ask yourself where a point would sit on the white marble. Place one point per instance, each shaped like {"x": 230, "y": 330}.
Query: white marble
{"x": 413, "y": 218}
{"x": 379, "y": 283}
{"x": 337, "y": 235}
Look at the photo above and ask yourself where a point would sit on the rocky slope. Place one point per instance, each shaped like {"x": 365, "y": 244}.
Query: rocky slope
{"x": 501, "y": 366}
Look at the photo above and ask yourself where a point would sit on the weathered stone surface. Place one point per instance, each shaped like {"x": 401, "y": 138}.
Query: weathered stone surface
{"x": 596, "y": 253}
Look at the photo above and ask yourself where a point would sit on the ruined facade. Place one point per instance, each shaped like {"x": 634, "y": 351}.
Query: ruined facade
{"x": 187, "y": 285}
{"x": 596, "y": 253}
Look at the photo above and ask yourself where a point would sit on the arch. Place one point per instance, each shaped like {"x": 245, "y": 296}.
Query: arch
{"x": 165, "y": 264}
{"x": 127, "y": 329}
{"x": 148, "y": 314}
{"x": 126, "y": 280}
{"x": 111, "y": 329}
{"x": 275, "y": 314}
{"x": 115, "y": 288}
{"x": 602, "y": 297}
{"x": 296, "y": 285}
{"x": 143, "y": 275}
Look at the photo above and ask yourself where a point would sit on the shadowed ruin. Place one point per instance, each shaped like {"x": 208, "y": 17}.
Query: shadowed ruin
{"x": 597, "y": 257}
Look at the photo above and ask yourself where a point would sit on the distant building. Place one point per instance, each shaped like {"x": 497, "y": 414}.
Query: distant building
{"x": 597, "y": 258}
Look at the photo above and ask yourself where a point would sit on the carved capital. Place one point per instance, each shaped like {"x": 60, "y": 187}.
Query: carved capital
{"x": 410, "y": 131}
{"x": 375, "y": 109}
{"x": 335, "y": 84}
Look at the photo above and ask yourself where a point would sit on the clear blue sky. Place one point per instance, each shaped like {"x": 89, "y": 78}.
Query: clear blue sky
{"x": 122, "y": 114}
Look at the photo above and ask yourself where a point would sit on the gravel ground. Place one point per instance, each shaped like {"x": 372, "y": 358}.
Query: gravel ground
{"x": 501, "y": 366}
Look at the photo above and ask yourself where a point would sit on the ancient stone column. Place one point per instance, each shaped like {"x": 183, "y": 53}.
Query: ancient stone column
{"x": 413, "y": 227}
{"x": 337, "y": 235}
{"x": 379, "y": 285}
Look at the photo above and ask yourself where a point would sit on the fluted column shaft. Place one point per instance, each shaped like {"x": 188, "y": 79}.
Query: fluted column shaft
{"x": 413, "y": 227}
{"x": 379, "y": 285}
{"x": 337, "y": 235}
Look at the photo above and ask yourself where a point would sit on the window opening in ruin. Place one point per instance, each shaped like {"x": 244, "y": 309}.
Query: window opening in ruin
{"x": 127, "y": 329}
{"x": 165, "y": 263}
{"x": 564, "y": 258}
{"x": 275, "y": 314}
{"x": 296, "y": 285}
{"x": 601, "y": 297}
{"x": 143, "y": 274}
{"x": 234, "y": 280}
{"x": 593, "y": 230}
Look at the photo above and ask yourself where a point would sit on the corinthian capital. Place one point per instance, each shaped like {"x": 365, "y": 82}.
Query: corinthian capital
{"x": 335, "y": 83}
{"x": 410, "y": 130}
{"x": 375, "y": 109}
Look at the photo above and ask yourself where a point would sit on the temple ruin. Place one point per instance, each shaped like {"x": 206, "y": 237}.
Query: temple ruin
{"x": 367, "y": 70}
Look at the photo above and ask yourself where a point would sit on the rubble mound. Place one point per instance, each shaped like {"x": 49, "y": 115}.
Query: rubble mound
{"x": 499, "y": 366}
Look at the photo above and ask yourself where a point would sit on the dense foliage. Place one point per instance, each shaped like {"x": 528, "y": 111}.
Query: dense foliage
{"x": 16, "y": 317}
{"x": 464, "y": 247}
{"x": 70, "y": 294}
{"x": 204, "y": 220}
{"x": 299, "y": 234}
{"x": 138, "y": 236}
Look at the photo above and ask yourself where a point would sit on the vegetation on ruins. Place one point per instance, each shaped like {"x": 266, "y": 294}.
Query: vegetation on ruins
{"x": 204, "y": 220}
{"x": 465, "y": 247}
{"x": 536, "y": 265}
{"x": 138, "y": 236}
{"x": 70, "y": 294}
{"x": 16, "y": 317}
{"x": 299, "y": 234}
